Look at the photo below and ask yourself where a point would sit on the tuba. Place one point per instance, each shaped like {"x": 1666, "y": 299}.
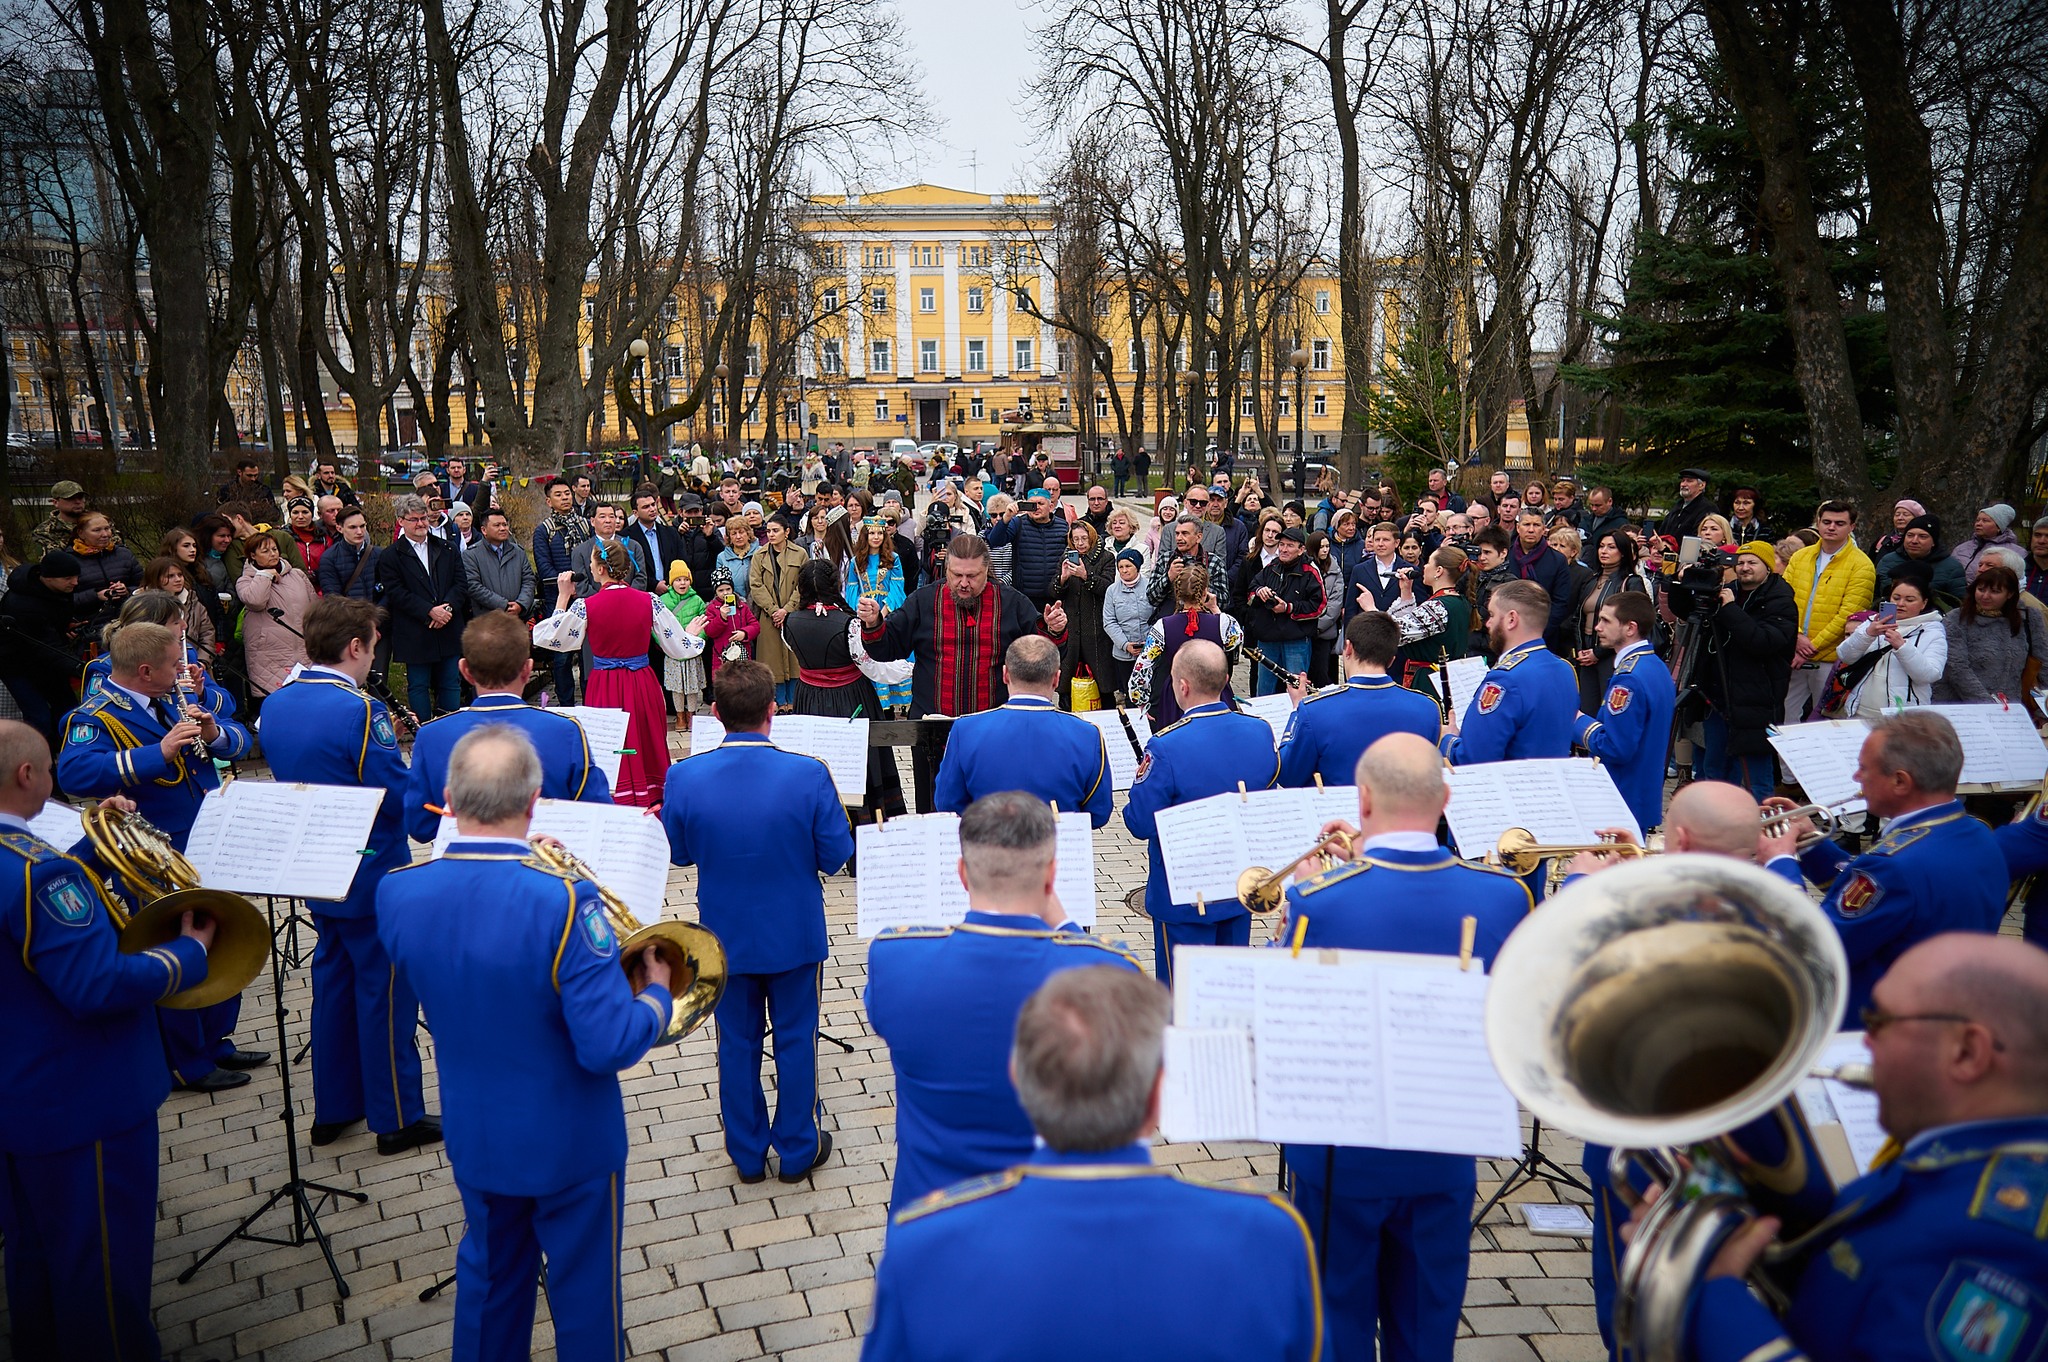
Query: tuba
{"x": 1670, "y": 1008}
{"x": 692, "y": 952}
{"x": 166, "y": 886}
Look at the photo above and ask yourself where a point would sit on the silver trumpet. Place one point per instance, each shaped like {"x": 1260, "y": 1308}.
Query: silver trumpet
{"x": 1669, "y": 1008}
{"x": 1826, "y": 822}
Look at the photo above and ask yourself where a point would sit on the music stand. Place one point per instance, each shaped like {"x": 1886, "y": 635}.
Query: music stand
{"x": 1533, "y": 1166}
{"x": 305, "y": 1208}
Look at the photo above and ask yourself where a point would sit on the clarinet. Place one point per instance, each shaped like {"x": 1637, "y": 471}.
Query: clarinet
{"x": 1286, "y": 677}
{"x": 1124, "y": 717}
{"x": 1443, "y": 682}
{"x": 181, "y": 688}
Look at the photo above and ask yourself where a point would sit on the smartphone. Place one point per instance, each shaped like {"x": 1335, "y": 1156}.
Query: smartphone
{"x": 1074, "y": 557}
{"x": 1888, "y": 614}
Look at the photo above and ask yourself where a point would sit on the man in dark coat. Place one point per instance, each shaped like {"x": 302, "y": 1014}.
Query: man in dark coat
{"x": 1742, "y": 673}
{"x": 429, "y": 602}
{"x": 1694, "y": 505}
{"x": 1535, "y": 561}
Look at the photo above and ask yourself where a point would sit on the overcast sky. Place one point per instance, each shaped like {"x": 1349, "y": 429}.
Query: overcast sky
{"x": 977, "y": 60}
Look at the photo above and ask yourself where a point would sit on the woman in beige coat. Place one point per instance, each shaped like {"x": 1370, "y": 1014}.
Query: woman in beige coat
{"x": 771, "y": 590}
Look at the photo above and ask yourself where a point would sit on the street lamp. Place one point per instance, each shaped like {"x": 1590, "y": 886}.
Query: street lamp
{"x": 1299, "y": 359}
{"x": 1190, "y": 379}
{"x": 638, "y": 350}
{"x": 1460, "y": 159}
{"x": 721, "y": 373}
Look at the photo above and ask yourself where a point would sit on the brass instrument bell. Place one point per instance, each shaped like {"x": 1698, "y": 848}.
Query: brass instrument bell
{"x": 1518, "y": 851}
{"x": 166, "y": 886}
{"x": 1258, "y": 888}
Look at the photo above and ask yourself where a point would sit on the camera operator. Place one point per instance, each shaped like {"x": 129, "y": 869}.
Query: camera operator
{"x": 1749, "y": 640}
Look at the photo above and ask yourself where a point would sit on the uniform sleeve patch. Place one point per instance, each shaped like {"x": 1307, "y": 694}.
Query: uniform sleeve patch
{"x": 81, "y": 733}
{"x": 1144, "y": 768}
{"x": 1979, "y": 1314}
{"x": 381, "y": 730}
{"x": 67, "y": 900}
{"x": 92, "y": 684}
{"x": 597, "y": 931}
{"x": 1617, "y": 699}
{"x": 2013, "y": 1193}
{"x": 1860, "y": 893}
{"x": 1490, "y": 696}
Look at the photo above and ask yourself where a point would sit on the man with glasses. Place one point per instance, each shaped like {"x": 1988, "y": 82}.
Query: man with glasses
{"x": 423, "y": 587}
{"x": 1935, "y": 870}
{"x": 1097, "y": 515}
{"x": 1214, "y": 542}
{"x": 1939, "y": 1252}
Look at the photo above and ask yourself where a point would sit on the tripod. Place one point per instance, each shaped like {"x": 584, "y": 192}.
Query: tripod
{"x": 305, "y": 1218}
{"x": 1533, "y": 1166}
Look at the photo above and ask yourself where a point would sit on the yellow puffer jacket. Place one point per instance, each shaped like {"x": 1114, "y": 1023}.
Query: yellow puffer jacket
{"x": 1848, "y": 585}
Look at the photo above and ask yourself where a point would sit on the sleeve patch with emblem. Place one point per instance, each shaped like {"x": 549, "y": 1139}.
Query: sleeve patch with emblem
{"x": 381, "y": 730}
{"x": 81, "y": 733}
{"x": 597, "y": 931}
{"x": 1144, "y": 768}
{"x": 1979, "y": 1314}
{"x": 1859, "y": 894}
{"x": 1617, "y": 699}
{"x": 1490, "y": 696}
{"x": 67, "y": 900}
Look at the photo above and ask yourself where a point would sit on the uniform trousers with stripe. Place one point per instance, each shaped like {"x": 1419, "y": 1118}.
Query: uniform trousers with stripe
{"x": 366, "y": 1055}
{"x": 788, "y": 1002}
{"x": 497, "y": 1272}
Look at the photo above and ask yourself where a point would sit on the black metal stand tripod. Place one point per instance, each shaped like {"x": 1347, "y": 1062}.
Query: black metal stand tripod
{"x": 306, "y": 1197}
{"x": 1533, "y": 1166}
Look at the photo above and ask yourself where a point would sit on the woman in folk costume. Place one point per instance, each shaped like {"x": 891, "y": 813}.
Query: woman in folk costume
{"x": 874, "y": 572}
{"x": 1198, "y": 617}
{"x": 836, "y": 678}
{"x": 683, "y": 677}
{"x": 619, "y": 619}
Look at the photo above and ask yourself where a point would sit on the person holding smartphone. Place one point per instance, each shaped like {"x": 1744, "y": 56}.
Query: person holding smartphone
{"x": 1899, "y": 652}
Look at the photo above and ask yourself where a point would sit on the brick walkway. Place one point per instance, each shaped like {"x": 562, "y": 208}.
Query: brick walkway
{"x": 713, "y": 1270}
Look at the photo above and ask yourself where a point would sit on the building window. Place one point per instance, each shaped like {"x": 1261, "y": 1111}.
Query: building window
{"x": 881, "y": 409}
{"x": 928, "y": 256}
{"x": 713, "y": 418}
{"x": 977, "y": 257}
{"x": 878, "y": 300}
{"x": 880, "y": 257}
{"x": 1322, "y": 442}
{"x": 668, "y": 308}
{"x": 878, "y": 357}
{"x": 1209, "y": 408}
{"x": 753, "y": 361}
{"x": 1213, "y": 360}
{"x": 1066, "y": 356}
{"x": 1137, "y": 356}
{"x": 1101, "y": 408}
{"x": 832, "y": 407}
{"x": 928, "y": 357}
{"x": 974, "y": 299}
{"x": 1319, "y": 405}
{"x": 1023, "y": 299}
{"x": 1286, "y": 404}
{"x": 590, "y": 309}
{"x": 977, "y": 357}
{"x": 1215, "y": 303}
{"x": 1024, "y": 352}
{"x": 1319, "y": 354}
{"x": 1323, "y": 301}
{"x": 975, "y": 410}
{"x": 828, "y": 357}
{"x": 1286, "y": 441}
{"x": 927, "y": 300}
{"x": 828, "y": 301}
{"x": 1102, "y": 304}
{"x": 589, "y": 360}
{"x": 707, "y": 308}
{"x": 1244, "y": 441}
{"x": 1245, "y": 405}
{"x": 672, "y": 360}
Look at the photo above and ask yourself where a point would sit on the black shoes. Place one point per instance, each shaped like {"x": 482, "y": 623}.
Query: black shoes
{"x": 824, "y": 1153}
{"x": 219, "y": 1080}
{"x": 424, "y": 1131}
{"x": 245, "y": 1059}
{"x": 326, "y": 1133}
{"x": 756, "y": 1180}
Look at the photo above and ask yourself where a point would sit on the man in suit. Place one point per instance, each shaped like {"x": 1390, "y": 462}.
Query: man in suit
{"x": 605, "y": 525}
{"x": 496, "y": 573}
{"x": 1373, "y": 583}
{"x": 424, "y": 590}
{"x": 1330, "y": 730}
{"x": 1027, "y": 743}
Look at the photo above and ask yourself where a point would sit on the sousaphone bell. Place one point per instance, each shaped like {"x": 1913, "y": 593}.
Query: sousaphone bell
{"x": 166, "y": 886}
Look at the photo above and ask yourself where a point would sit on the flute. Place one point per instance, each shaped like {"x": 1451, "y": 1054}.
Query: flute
{"x": 181, "y": 689}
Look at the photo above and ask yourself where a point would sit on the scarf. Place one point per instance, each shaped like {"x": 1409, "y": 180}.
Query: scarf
{"x": 573, "y": 528}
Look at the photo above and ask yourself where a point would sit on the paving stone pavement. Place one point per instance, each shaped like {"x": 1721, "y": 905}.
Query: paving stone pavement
{"x": 712, "y": 1269}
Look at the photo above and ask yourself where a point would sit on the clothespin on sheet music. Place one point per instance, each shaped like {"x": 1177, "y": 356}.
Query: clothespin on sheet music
{"x": 878, "y": 818}
{"x": 1201, "y": 908}
{"x": 1243, "y": 796}
{"x": 2003, "y": 703}
{"x": 1467, "y": 930}
{"x": 1300, "y": 931}
{"x": 1055, "y": 807}
{"x": 1319, "y": 780}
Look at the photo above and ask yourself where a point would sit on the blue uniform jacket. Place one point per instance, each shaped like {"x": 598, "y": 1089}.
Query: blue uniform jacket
{"x": 518, "y": 972}
{"x": 1110, "y": 1216}
{"x": 1632, "y": 732}
{"x": 1330, "y": 730}
{"x": 1526, "y": 707}
{"x": 111, "y": 747}
{"x": 2025, "y": 844}
{"x": 1940, "y": 1254}
{"x": 761, "y": 825}
{"x": 1935, "y": 870}
{"x": 1026, "y": 744}
{"x": 318, "y": 729}
{"x": 566, "y": 770}
{"x": 946, "y": 1000}
{"x": 83, "y": 1059}
{"x": 1402, "y": 901}
{"x": 1208, "y": 751}
{"x": 214, "y": 696}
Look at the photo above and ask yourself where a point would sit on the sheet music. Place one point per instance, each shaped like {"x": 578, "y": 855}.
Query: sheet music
{"x": 605, "y": 729}
{"x": 1334, "y": 802}
{"x": 1207, "y": 1094}
{"x": 2000, "y": 744}
{"x": 60, "y": 826}
{"x": 1211, "y": 989}
{"x": 297, "y": 841}
{"x": 1074, "y": 875}
{"x": 1822, "y": 757}
{"x": 1275, "y": 709}
{"x": 625, "y": 849}
{"x": 1277, "y": 826}
{"x": 1558, "y": 799}
{"x": 1316, "y": 1053}
{"x": 1202, "y": 849}
{"x": 1465, "y": 675}
{"x": 1123, "y": 762}
{"x": 1442, "y": 1090}
{"x": 1854, "y": 1108}
{"x": 904, "y": 867}
{"x": 842, "y": 744}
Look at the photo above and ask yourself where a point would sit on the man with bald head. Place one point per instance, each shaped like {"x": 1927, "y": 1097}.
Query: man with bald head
{"x": 1395, "y": 1226}
{"x": 1941, "y": 1252}
{"x": 1027, "y": 743}
{"x": 1209, "y": 751}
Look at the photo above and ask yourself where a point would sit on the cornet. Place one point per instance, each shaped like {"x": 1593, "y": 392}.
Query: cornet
{"x": 1827, "y": 821}
{"x": 1519, "y": 852}
{"x": 1258, "y": 888}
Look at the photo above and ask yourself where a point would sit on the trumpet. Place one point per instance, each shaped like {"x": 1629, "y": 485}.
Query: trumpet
{"x": 1258, "y": 888}
{"x": 1519, "y": 852}
{"x": 166, "y": 886}
{"x": 691, "y": 950}
{"x": 1773, "y": 822}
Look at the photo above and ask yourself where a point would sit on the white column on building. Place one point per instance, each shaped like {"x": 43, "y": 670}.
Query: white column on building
{"x": 999, "y": 326}
{"x": 856, "y": 312}
{"x": 1048, "y": 348}
{"x": 906, "y": 363}
{"x": 950, "y": 256}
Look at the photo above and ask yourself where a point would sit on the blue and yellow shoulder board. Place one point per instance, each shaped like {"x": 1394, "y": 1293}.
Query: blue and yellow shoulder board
{"x": 1899, "y": 840}
{"x": 28, "y": 846}
{"x": 1514, "y": 660}
{"x": 1627, "y": 664}
{"x": 913, "y": 933}
{"x": 2014, "y": 1191}
{"x": 1334, "y": 875}
{"x": 1084, "y": 939}
{"x": 974, "y": 1189}
{"x": 1177, "y": 723}
{"x": 1326, "y": 692}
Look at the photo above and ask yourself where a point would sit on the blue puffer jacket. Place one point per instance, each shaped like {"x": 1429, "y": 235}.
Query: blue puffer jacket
{"x": 1036, "y": 553}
